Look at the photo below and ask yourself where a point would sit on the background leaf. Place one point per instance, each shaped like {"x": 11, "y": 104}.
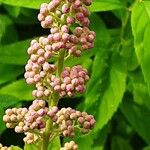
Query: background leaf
{"x": 9, "y": 72}
{"x": 141, "y": 30}
{"x": 19, "y": 89}
{"x": 139, "y": 117}
{"x": 27, "y": 3}
{"x": 119, "y": 143}
{"x": 105, "y": 5}
{"x": 15, "y": 53}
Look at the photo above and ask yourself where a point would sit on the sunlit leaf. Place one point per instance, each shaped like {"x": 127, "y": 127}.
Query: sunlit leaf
{"x": 19, "y": 89}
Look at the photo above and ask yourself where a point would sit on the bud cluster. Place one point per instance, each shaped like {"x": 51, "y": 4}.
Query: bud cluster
{"x": 70, "y": 146}
{"x": 69, "y": 35}
{"x": 41, "y": 73}
{"x": 23, "y": 119}
{"x": 82, "y": 39}
{"x": 14, "y": 116}
{"x": 35, "y": 117}
{"x": 4, "y": 147}
{"x": 37, "y": 66}
{"x": 67, "y": 119}
{"x": 72, "y": 80}
{"x": 30, "y": 138}
{"x": 65, "y": 12}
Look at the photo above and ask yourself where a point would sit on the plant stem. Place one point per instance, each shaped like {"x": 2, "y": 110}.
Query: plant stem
{"x": 60, "y": 62}
{"x": 54, "y": 101}
{"x": 46, "y": 135}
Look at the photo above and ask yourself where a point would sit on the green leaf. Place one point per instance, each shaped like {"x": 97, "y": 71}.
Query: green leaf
{"x": 7, "y": 27}
{"x": 139, "y": 89}
{"x": 105, "y": 5}
{"x": 139, "y": 117}
{"x": 114, "y": 92}
{"x": 9, "y": 72}
{"x": 30, "y": 147}
{"x": 26, "y": 3}
{"x": 102, "y": 5}
{"x": 106, "y": 95}
{"x": 147, "y": 148}
{"x": 15, "y": 148}
{"x": 15, "y": 53}
{"x": 13, "y": 11}
{"x": 6, "y": 101}
{"x": 141, "y": 31}
{"x": 94, "y": 140}
{"x": 19, "y": 89}
{"x": 55, "y": 145}
{"x": 119, "y": 143}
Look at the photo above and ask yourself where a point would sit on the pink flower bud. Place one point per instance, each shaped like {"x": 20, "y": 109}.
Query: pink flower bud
{"x": 34, "y": 57}
{"x": 39, "y": 93}
{"x": 45, "y": 41}
{"x": 54, "y": 30}
{"x": 75, "y": 81}
{"x": 44, "y": 24}
{"x": 85, "y": 22}
{"x": 37, "y": 78}
{"x": 92, "y": 122}
{"x": 70, "y": 20}
{"x": 34, "y": 92}
{"x": 65, "y": 37}
{"x": 88, "y": 2}
{"x": 81, "y": 120}
{"x": 62, "y": 93}
{"x": 30, "y": 80}
{"x": 47, "y": 55}
{"x": 47, "y": 92}
{"x": 51, "y": 6}
{"x": 50, "y": 37}
{"x": 18, "y": 129}
{"x": 43, "y": 5}
{"x": 43, "y": 11}
{"x": 64, "y": 29}
{"x": 80, "y": 16}
{"x": 29, "y": 51}
{"x": 57, "y": 88}
{"x": 46, "y": 66}
{"x": 85, "y": 11}
{"x": 67, "y": 80}
{"x": 91, "y": 38}
{"x": 69, "y": 87}
{"x": 41, "y": 17}
{"x": 80, "y": 88}
{"x": 58, "y": 13}
{"x": 63, "y": 86}
{"x": 41, "y": 60}
{"x": 9, "y": 112}
{"x": 56, "y": 36}
{"x": 65, "y": 8}
{"x": 86, "y": 125}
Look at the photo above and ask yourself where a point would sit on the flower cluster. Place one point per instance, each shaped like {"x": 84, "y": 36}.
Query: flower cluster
{"x": 72, "y": 80}
{"x": 35, "y": 117}
{"x": 69, "y": 36}
{"x": 70, "y": 146}
{"x": 64, "y": 12}
{"x": 23, "y": 119}
{"x": 67, "y": 119}
{"x": 30, "y": 138}
{"x": 4, "y": 147}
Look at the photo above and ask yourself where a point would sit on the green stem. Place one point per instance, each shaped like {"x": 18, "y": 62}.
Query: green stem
{"x": 46, "y": 135}
{"x": 60, "y": 62}
{"x": 55, "y": 98}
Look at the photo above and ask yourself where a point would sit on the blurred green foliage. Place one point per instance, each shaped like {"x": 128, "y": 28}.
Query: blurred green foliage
{"x": 118, "y": 93}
